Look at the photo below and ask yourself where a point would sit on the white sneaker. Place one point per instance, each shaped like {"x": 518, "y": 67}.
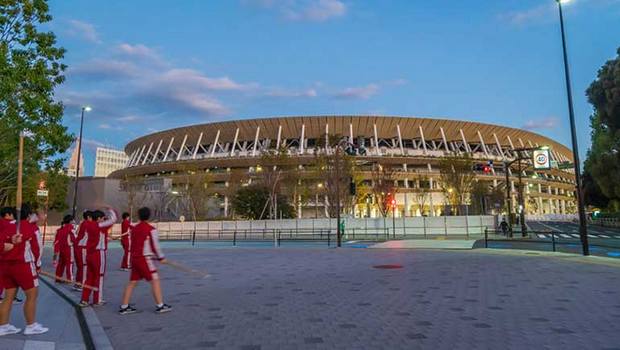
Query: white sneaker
{"x": 9, "y": 329}
{"x": 35, "y": 328}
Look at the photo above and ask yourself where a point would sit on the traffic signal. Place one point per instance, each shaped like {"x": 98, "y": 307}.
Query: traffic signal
{"x": 393, "y": 203}
{"x": 352, "y": 188}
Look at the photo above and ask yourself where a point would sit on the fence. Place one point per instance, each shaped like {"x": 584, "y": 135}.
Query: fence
{"x": 322, "y": 229}
{"x": 552, "y": 217}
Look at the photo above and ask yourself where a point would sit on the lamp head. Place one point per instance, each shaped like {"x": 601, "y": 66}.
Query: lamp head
{"x": 87, "y": 108}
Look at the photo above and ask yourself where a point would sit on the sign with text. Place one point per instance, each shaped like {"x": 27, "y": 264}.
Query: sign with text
{"x": 42, "y": 193}
{"x": 541, "y": 160}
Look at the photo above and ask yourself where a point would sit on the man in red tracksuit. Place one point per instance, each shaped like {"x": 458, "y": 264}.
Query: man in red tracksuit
{"x": 19, "y": 269}
{"x": 80, "y": 249}
{"x": 126, "y": 242}
{"x": 144, "y": 249}
{"x": 96, "y": 245}
{"x": 63, "y": 249}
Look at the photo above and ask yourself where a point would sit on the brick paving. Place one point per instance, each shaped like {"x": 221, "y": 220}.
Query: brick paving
{"x": 320, "y": 298}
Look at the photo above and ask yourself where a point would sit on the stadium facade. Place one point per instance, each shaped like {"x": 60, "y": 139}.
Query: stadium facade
{"x": 413, "y": 145}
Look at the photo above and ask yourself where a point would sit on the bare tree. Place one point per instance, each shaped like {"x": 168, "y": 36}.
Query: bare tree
{"x": 134, "y": 186}
{"x": 383, "y": 187}
{"x": 422, "y": 194}
{"x": 457, "y": 177}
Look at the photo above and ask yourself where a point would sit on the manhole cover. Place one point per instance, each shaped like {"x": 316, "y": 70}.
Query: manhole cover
{"x": 391, "y": 266}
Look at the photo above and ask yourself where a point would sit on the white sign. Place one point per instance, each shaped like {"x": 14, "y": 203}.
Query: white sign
{"x": 541, "y": 159}
{"x": 182, "y": 218}
{"x": 42, "y": 193}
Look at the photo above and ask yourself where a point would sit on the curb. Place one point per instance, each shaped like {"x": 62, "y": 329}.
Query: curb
{"x": 94, "y": 336}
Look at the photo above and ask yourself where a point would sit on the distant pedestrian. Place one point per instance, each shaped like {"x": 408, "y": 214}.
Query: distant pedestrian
{"x": 504, "y": 226}
{"x": 144, "y": 249}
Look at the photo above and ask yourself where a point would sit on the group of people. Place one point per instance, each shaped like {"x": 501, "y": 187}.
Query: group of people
{"x": 84, "y": 245}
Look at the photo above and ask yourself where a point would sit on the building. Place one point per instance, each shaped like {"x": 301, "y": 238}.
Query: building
{"x": 73, "y": 161}
{"x": 108, "y": 160}
{"x": 413, "y": 147}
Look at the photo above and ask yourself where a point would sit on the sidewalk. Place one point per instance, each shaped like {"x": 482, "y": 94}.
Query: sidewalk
{"x": 56, "y": 314}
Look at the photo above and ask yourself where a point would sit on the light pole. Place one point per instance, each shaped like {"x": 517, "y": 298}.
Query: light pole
{"x": 79, "y": 155}
{"x": 583, "y": 229}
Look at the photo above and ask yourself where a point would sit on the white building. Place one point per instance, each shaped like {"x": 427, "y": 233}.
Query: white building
{"x": 72, "y": 165}
{"x": 108, "y": 160}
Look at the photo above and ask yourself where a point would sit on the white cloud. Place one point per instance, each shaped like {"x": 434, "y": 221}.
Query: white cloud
{"x": 304, "y": 10}
{"x": 84, "y": 30}
{"x": 105, "y": 126}
{"x": 542, "y": 123}
{"x": 139, "y": 51}
{"x": 361, "y": 92}
{"x": 278, "y": 92}
{"x": 529, "y": 15}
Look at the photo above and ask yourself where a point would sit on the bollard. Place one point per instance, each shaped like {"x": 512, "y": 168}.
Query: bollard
{"x": 486, "y": 237}
{"x": 553, "y": 240}
{"x": 234, "y": 237}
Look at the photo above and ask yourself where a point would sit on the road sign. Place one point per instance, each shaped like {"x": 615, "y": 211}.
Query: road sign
{"x": 42, "y": 193}
{"x": 541, "y": 159}
{"x": 565, "y": 165}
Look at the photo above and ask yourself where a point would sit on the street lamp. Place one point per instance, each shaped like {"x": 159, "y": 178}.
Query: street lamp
{"x": 79, "y": 155}
{"x": 583, "y": 229}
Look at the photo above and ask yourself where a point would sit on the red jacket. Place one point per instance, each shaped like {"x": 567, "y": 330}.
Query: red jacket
{"x": 64, "y": 239}
{"x": 29, "y": 249}
{"x": 97, "y": 233}
{"x": 80, "y": 238}
{"x": 125, "y": 227}
{"x": 145, "y": 241}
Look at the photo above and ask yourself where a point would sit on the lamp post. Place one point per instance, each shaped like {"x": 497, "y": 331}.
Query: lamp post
{"x": 79, "y": 154}
{"x": 583, "y": 229}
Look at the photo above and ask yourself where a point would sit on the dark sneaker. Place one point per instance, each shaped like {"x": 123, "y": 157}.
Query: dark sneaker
{"x": 17, "y": 301}
{"x": 127, "y": 310}
{"x": 83, "y": 304}
{"x": 163, "y": 309}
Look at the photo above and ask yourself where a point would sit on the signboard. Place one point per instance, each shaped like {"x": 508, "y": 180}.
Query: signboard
{"x": 42, "y": 193}
{"x": 565, "y": 165}
{"x": 541, "y": 160}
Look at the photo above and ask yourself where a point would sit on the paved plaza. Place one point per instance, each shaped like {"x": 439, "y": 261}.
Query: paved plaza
{"x": 319, "y": 298}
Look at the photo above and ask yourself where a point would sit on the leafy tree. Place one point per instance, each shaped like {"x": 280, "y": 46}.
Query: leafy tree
{"x": 252, "y": 201}
{"x": 30, "y": 69}
{"x": 603, "y": 162}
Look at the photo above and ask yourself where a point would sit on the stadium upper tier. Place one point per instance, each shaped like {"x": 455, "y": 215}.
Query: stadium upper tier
{"x": 237, "y": 142}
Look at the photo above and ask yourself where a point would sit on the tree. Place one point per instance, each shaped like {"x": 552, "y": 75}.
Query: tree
{"x": 249, "y": 202}
{"x": 335, "y": 167}
{"x": 275, "y": 168}
{"x": 383, "y": 187}
{"x": 603, "y": 162}
{"x": 30, "y": 69}
{"x": 422, "y": 194}
{"x": 457, "y": 176}
{"x": 194, "y": 188}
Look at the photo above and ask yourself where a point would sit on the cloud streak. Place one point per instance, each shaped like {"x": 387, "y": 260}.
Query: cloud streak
{"x": 83, "y": 30}
{"x": 304, "y": 10}
{"x": 541, "y": 124}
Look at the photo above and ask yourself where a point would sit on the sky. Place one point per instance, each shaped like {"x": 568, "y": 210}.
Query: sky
{"x": 149, "y": 65}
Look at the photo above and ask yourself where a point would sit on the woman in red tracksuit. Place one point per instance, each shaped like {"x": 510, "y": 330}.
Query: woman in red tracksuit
{"x": 63, "y": 249}
{"x": 126, "y": 242}
{"x": 19, "y": 269}
{"x": 96, "y": 245}
{"x": 80, "y": 250}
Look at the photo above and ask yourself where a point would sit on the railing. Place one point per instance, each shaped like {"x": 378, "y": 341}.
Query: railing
{"x": 547, "y": 240}
{"x": 607, "y": 222}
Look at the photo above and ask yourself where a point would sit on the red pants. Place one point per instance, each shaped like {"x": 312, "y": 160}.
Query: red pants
{"x": 80, "y": 262}
{"x": 143, "y": 268}
{"x": 126, "y": 262}
{"x": 17, "y": 274}
{"x": 65, "y": 264}
{"x": 95, "y": 270}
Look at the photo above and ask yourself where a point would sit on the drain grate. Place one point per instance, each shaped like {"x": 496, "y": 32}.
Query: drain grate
{"x": 389, "y": 266}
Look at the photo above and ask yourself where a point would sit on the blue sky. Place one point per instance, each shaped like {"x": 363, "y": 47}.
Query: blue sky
{"x": 151, "y": 65}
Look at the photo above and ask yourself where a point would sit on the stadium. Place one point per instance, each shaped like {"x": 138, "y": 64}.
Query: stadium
{"x": 413, "y": 146}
